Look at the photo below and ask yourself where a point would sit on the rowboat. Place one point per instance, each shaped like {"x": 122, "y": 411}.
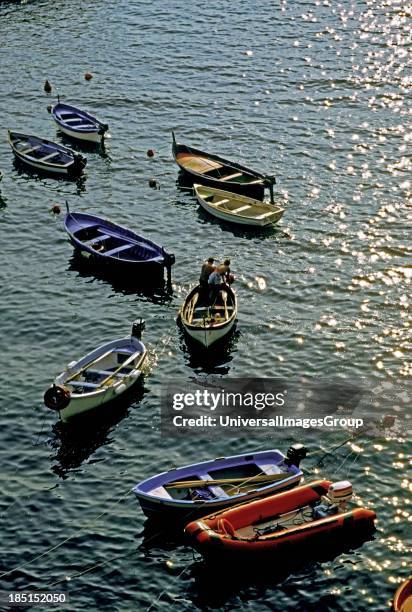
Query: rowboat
{"x": 99, "y": 377}
{"x": 214, "y": 171}
{"x": 197, "y": 489}
{"x": 45, "y": 155}
{"x": 402, "y": 602}
{"x": 300, "y": 516}
{"x": 108, "y": 244}
{"x": 78, "y": 124}
{"x": 236, "y": 208}
{"x": 208, "y": 322}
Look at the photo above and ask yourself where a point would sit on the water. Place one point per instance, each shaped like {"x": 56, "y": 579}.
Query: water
{"x": 314, "y": 91}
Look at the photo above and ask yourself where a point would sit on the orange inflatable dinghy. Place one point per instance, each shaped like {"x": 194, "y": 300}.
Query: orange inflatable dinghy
{"x": 294, "y": 517}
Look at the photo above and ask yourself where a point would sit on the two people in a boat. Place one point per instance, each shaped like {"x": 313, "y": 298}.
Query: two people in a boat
{"x": 213, "y": 278}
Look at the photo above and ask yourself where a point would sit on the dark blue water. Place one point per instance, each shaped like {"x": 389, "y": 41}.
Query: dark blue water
{"x": 316, "y": 92}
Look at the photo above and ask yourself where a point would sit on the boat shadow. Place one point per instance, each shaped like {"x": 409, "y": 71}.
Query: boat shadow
{"x": 31, "y": 173}
{"x": 153, "y": 288}
{"x": 214, "y": 360}
{"x": 232, "y": 579}
{"x": 75, "y": 442}
{"x": 82, "y": 146}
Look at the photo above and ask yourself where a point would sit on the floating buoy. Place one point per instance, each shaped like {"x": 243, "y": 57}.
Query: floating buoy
{"x": 88, "y": 76}
{"x": 388, "y": 420}
{"x": 47, "y": 86}
{"x": 49, "y": 108}
{"x": 154, "y": 184}
{"x": 56, "y": 210}
{"x": 150, "y": 152}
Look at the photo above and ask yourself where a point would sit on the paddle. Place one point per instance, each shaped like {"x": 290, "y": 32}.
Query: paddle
{"x": 223, "y": 481}
{"x": 224, "y": 299}
{"x": 87, "y": 365}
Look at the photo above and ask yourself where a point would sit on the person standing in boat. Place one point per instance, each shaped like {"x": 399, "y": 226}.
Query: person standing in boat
{"x": 227, "y": 275}
{"x": 216, "y": 283}
{"x": 207, "y": 269}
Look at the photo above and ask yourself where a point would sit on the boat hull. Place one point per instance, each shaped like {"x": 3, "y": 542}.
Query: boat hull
{"x": 158, "y": 505}
{"x": 92, "y": 137}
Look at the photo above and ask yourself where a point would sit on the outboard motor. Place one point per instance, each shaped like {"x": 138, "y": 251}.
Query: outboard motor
{"x": 138, "y": 328}
{"x": 296, "y": 452}
{"x": 339, "y": 493}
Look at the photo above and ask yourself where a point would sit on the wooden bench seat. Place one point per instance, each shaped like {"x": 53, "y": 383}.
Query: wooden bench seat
{"x": 30, "y": 150}
{"x": 231, "y": 176}
{"x": 266, "y": 214}
{"x": 98, "y": 238}
{"x": 220, "y": 202}
{"x": 82, "y": 383}
{"x": 49, "y": 156}
{"x": 240, "y": 209}
{"x": 119, "y": 249}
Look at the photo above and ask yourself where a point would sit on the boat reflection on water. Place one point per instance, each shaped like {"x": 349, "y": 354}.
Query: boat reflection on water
{"x": 154, "y": 287}
{"x": 302, "y": 564}
{"x": 215, "y": 360}
{"x": 80, "y": 146}
{"x": 76, "y": 440}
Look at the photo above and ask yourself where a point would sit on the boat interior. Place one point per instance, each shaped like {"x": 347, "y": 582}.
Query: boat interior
{"x": 194, "y": 162}
{"x": 203, "y": 310}
{"x": 273, "y": 524}
{"x": 104, "y": 370}
{"x": 41, "y": 152}
{"x": 114, "y": 245}
{"x": 237, "y": 206}
{"x": 75, "y": 120}
{"x": 222, "y": 490}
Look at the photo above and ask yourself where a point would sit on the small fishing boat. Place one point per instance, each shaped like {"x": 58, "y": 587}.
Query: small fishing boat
{"x": 108, "y": 244}
{"x": 78, "y": 124}
{"x": 99, "y": 377}
{"x": 45, "y": 155}
{"x": 195, "y": 490}
{"x": 214, "y": 171}
{"x": 236, "y": 208}
{"x": 402, "y": 602}
{"x": 273, "y": 524}
{"x": 208, "y": 322}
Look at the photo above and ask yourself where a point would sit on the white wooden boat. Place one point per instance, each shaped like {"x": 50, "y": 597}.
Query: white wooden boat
{"x": 45, "y": 155}
{"x": 99, "y": 377}
{"x": 207, "y": 323}
{"x": 236, "y": 208}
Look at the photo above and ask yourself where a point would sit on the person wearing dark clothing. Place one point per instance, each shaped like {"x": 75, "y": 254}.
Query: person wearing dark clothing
{"x": 207, "y": 269}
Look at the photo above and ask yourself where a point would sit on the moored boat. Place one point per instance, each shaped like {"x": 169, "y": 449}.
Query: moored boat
{"x": 215, "y": 171}
{"x": 236, "y": 208}
{"x": 99, "y": 377}
{"x": 208, "y": 322}
{"x": 78, "y": 123}
{"x": 300, "y": 516}
{"x": 197, "y": 489}
{"x": 402, "y": 601}
{"x": 45, "y": 155}
{"x": 108, "y": 244}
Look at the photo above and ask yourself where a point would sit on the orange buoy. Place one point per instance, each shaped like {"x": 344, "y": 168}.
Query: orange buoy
{"x": 153, "y": 183}
{"x": 49, "y": 108}
{"x": 47, "y": 86}
{"x": 150, "y": 152}
{"x": 56, "y": 210}
{"x": 88, "y": 76}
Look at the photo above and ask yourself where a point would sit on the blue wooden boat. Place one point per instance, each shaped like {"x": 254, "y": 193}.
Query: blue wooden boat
{"x": 45, "y": 155}
{"x": 196, "y": 490}
{"x": 108, "y": 244}
{"x": 78, "y": 123}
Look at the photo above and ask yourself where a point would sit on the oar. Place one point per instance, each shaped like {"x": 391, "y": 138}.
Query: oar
{"x": 224, "y": 299}
{"x": 85, "y": 367}
{"x": 181, "y": 484}
{"x": 122, "y": 365}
